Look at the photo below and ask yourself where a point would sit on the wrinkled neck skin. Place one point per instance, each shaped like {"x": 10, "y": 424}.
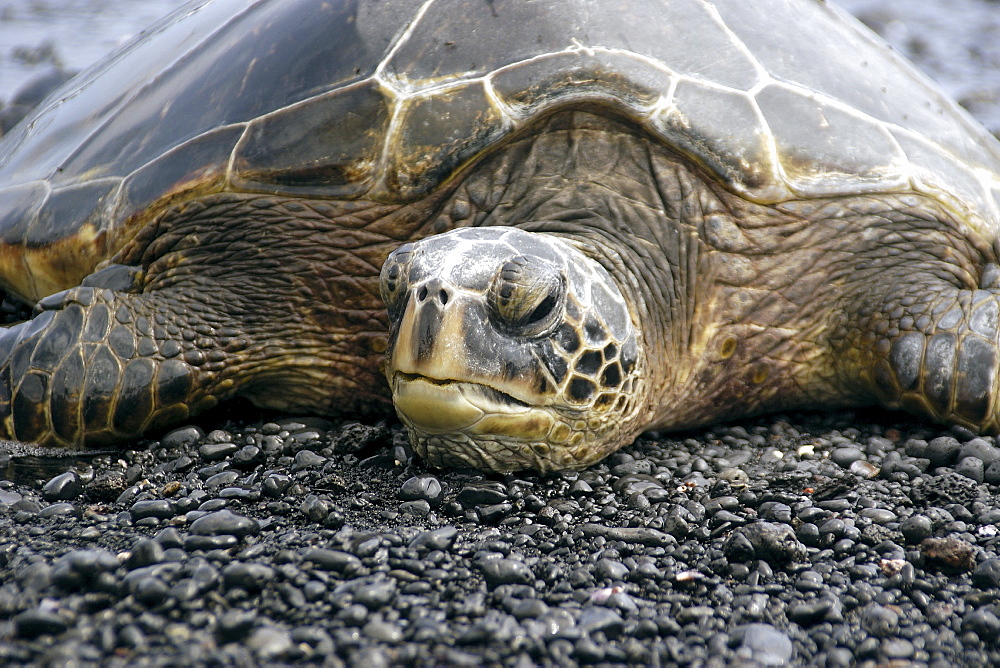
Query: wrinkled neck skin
{"x": 602, "y": 187}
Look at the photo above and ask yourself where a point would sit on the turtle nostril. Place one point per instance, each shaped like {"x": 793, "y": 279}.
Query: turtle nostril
{"x": 422, "y": 293}
{"x": 443, "y": 297}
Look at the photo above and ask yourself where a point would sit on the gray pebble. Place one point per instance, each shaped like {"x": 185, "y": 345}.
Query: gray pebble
{"x": 481, "y": 494}
{"x": 897, "y": 649}
{"x": 806, "y": 614}
{"x": 63, "y": 487}
{"x": 972, "y": 468}
{"x": 225, "y": 522}
{"x": 212, "y": 452}
{"x": 878, "y": 515}
{"x": 236, "y": 624}
{"x": 506, "y": 571}
{"x": 60, "y": 510}
{"x": 436, "y": 539}
{"x": 183, "y": 437}
{"x": 762, "y": 644}
{"x": 220, "y": 542}
{"x": 332, "y": 560}
{"x": 252, "y": 577}
{"x": 845, "y": 456}
{"x": 984, "y": 624}
{"x": 775, "y": 543}
{"x": 375, "y": 594}
{"x": 916, "y": 528}
{"x": 35, "y": 622}
{"x": 145, "y": 552}
{"x": 981, "y": 449}
{"x": 879, "y": 620}
{"x": 158, "y": 508}
{"x": 942, "y": 451}
{"x": 382, "y": 631}
{"x": 269, "y": 643}
{"x": 597, "y": 618}
{"x": 987, "y": 574}
{"x": 422, "y": 487}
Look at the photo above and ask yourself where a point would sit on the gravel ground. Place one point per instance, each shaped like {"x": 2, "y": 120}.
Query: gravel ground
{"x": 808, "y": 539}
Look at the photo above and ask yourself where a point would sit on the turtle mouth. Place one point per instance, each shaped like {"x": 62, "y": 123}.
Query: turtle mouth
{"x": 437, "y": 405}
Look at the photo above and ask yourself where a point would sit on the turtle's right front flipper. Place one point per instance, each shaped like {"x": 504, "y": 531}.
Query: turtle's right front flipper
{"x": 97, "y": 365}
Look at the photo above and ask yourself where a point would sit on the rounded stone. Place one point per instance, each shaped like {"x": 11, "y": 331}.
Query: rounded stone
{"x": 183, "y": 437}
{"x": 598, "y": 618}
{"x": 942, "y": 451}
{"x": 63, "y": 487}
{"x": 972, "y": 468}
{"x": 916, "y": 528}
{"x": 879, "y": 620}
{"x": 845, "y": 456}
{"x": 212, "y": 452}
{"x": 376, "y": 594}
{"x": 225, "y": 522}
{"x": 36, "y": 622}
{"x": 159, "y": 508}
{"x": 987, "y": 574}
{"x": 981, "y": 449}
{"x": 506, "y": 571}
{"x": 248, "y": 576}
{"x": 984, "y": 624}
{"x": 762, "y": 644}
{"x": 422, "y": 487}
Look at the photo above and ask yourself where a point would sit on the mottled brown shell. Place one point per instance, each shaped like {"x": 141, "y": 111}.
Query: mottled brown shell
{"x": 386, "y": 99}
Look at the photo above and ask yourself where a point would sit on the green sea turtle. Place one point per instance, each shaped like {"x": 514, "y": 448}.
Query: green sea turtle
{"x": 611, "y": 216}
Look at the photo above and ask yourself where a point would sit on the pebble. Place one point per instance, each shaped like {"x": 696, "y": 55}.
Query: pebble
{"x": 184, "y": 437}
{"x": 158, "y": 508}
{"x": 981, "y": 449}
{"x": 225, "y": 522}
{"x": 213, "y": 452}
{"x": 972, "y": 468}
{"x": 761, "y": 644}
{"x": 248, "y": 576}
{"x": 600, "y": 619}
{"x": 269, "y": 643}
{"x": 34, "y": 623}
{"x": 772, "y": 542}
{"x": 481, "y": 494}
{"x": 63, "y": 487}
{"x": 916, "y": 528}
{"x": 844, "y": 457}
{"x": 942, "y": 451}
{"x": 987, "y": 574}
{"x": 506, "y": 571}
{"x": 423, "y": 488}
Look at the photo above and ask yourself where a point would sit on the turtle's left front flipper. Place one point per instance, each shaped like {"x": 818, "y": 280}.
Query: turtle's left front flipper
{"x": 937, "y": 351}
{"x": 98, "y": 365}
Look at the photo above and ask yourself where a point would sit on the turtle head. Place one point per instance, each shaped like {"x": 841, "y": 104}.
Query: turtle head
{"x": 509, "y": 350}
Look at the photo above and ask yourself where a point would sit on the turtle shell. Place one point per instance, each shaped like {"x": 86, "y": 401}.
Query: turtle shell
{"x": 385, "y": 99}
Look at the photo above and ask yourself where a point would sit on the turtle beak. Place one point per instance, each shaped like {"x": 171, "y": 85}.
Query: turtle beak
{"x": 430, "y": 325}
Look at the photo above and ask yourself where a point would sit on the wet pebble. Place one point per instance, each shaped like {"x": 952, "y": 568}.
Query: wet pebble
{"x": 844, "y": 457}
{"x": 423, "y": 487}
{"x": 157, "y": 508}
{"x": 506, "y": 571}
{"x": 63, "y": 487}
{"x": 225, "y": 522}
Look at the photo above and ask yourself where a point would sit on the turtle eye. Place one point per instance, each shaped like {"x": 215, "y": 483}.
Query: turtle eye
{"x": 526, "y": 300}
{"x": 394, "y": 278}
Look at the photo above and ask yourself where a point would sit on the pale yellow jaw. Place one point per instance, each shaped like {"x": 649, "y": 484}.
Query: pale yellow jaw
{"x": 435, "y": 407}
